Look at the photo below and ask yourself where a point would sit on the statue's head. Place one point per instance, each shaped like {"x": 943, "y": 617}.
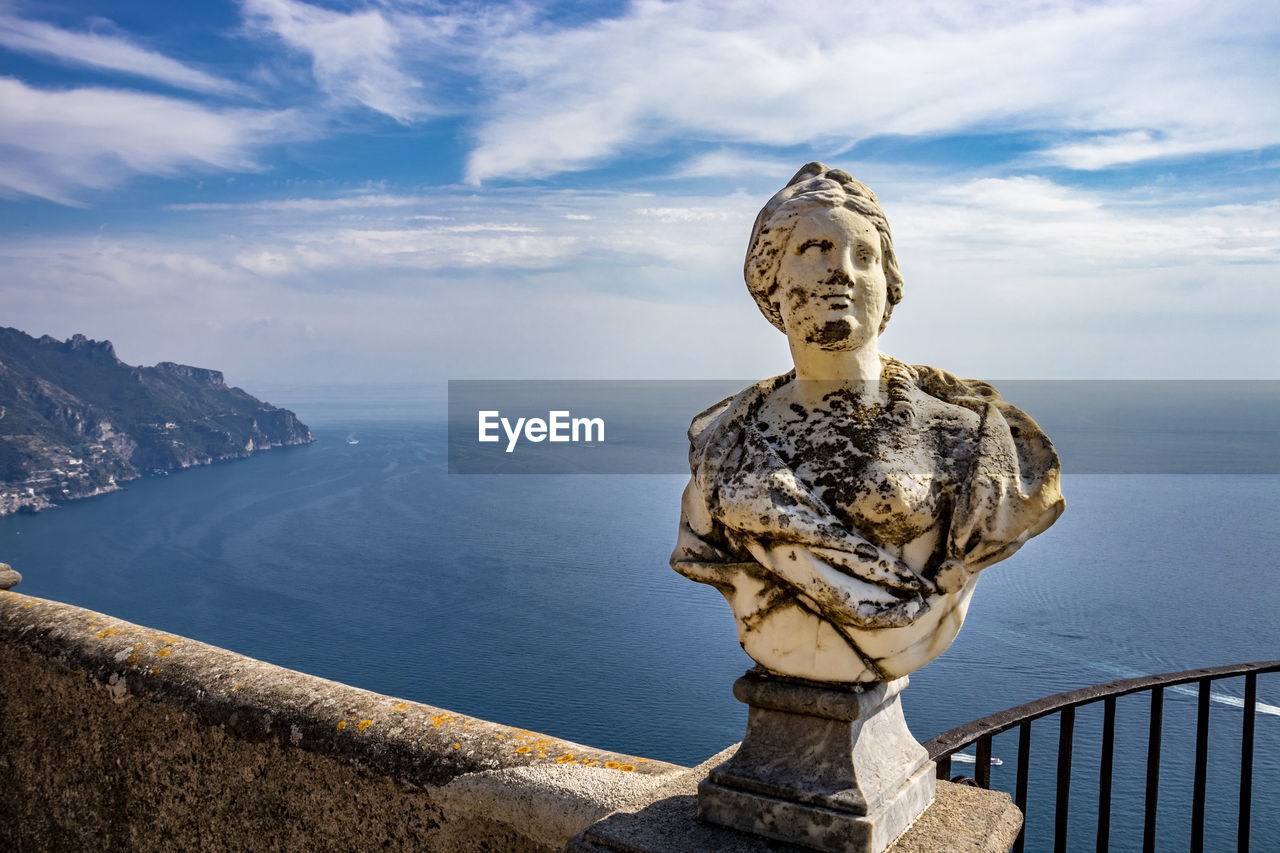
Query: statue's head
{"x": 814, "y": 189}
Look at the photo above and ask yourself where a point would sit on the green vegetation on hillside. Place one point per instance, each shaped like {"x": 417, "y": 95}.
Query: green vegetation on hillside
{"x": 76, "y": 421}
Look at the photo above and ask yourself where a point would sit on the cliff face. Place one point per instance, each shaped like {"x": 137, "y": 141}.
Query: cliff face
{"x": 76, "y": 421}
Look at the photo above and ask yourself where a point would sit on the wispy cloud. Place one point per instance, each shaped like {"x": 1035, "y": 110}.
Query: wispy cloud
{"x": 1030, "y": 225}
{"x": 1128, "y": 81}
{"x": 1046, "y": 280}
{"x": 57, "y": 143}
{"x": 355, "y": 57}
{"x": 1103, "y": 151}
{"x": 728, "y": 163}
{"x": 109, "y": 52}
{"x": 1020, "y": 226}
{"x": 304, "y": 205}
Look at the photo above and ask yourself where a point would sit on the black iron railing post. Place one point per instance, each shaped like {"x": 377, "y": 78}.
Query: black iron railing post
{"x": 1202, "y": 767}
{"x": 1153, "y": 770}
{"x": 1066, "y": 736}
{"x": 983, "y": 763}
{"x": 942, "y": 747}
{"x": 1104, "y": 774}
{"x": 1024, "y": 775}
{"x": 1246, "y": 761}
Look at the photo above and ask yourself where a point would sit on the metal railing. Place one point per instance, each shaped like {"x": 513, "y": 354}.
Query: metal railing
{"x": 980, "y": 732}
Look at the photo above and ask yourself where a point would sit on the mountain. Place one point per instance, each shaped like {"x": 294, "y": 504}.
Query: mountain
{"x": 76, "y": 421}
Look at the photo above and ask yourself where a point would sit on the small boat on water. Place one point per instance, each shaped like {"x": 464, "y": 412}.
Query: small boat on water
{"x": 352, "y": 441}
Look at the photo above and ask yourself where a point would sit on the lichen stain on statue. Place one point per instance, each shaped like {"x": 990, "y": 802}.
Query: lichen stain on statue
{"x": 846, "y": 508}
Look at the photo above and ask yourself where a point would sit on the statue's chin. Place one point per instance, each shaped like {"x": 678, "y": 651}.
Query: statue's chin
{"x": 839, "y": 334}
{"x": 836, "y": 335}
{"x": 790, "y": 639}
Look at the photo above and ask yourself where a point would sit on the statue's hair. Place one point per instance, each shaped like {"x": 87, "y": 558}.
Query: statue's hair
{"x": 814, "y": 186}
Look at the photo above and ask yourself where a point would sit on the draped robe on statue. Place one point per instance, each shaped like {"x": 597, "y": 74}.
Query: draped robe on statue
{"x": 856, "y": 559}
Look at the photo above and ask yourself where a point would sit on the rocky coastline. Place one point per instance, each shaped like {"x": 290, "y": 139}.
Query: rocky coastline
{"x": 75, "y": 421}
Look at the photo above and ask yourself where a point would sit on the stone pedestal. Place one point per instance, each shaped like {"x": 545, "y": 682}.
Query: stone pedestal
{"x": 828, "y": 767}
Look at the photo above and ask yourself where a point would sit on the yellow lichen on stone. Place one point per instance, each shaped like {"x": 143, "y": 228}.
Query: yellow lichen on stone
{"x": 403, "y": 706}
{"x": 523, "y": 749}
{"x": 612, "y": 765}
{"x": 455, "y": 746}
{"x": 163, "y": 653}
{"x": 133, "y": 658}
{"x": 567, "y": 758}
{"x": 342, "y": 724}
{"x": 364, "y": 724}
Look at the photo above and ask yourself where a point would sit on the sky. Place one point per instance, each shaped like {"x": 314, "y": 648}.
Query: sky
{"x": 401, "y": 191}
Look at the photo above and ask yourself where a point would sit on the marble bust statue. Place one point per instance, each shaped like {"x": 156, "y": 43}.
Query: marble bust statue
{"x": 845, "y": 508}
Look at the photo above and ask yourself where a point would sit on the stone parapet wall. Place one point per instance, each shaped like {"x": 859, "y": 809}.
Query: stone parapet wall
{"x": 118, "y": 737}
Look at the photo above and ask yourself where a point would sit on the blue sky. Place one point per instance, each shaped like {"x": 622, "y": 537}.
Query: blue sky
{"x": 413, "y": 191}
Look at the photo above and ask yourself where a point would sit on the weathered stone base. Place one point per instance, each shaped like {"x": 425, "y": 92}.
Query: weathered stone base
{"x": 830, "y": 767}
{"x": 815, "y": 826}
{"x": 960, "y": 820}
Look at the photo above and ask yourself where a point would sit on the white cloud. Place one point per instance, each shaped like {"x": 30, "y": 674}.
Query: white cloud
{"x": 448, "y": 230}
{"x": 1137, "y": 80}
{"x": 1021, "y": 194}
{"x": 1105, "y": 84}
{"x": 96, "y": 50}
{"x": 304, "y": 205}
{"x": 1033, "y": 225}
{"x": 685, "y": 214}
{"x": 1016, "y": 277}
{"x": 727, "y": 163}
{"x": 57, "y": 143}
{"x": 355, "y": 57}
{"x": 1103, "y": 151}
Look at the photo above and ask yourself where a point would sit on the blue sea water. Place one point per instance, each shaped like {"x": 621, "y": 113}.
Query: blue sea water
{"x": 545, "y": 601}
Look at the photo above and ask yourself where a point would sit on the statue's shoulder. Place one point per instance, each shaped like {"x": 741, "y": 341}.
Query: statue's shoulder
{"x": 983, "y": 399}
{"x": 733, "y": 411}
{"x": 704, "y": 419}
{"x": 951, "y": 388}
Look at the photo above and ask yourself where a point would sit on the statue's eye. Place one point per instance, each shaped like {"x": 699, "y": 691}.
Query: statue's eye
{"x": 824, "y": 245}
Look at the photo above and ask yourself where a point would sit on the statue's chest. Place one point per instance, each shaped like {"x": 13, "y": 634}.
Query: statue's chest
{"x": 888, "y": 491}
{"x": 889, "y": 483}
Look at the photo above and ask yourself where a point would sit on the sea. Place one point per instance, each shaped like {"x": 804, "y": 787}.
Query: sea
{"x": 545, "y": 601}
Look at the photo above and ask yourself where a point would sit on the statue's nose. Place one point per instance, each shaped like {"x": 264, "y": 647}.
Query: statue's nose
{"x": 843, "y": 275}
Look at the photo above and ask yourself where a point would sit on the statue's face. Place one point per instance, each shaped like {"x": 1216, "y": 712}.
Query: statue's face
{"x": 832, "y": 289}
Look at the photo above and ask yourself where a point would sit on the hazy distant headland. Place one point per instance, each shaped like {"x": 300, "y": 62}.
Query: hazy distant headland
{"x": 75, "y": 421}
